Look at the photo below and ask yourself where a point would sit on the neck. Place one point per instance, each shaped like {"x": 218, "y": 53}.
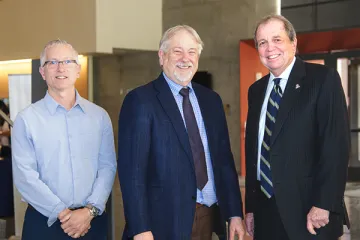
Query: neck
{"x": 278, "y": 73}
{"x": 184, "y": 84}
{"x": 65, "y": 98}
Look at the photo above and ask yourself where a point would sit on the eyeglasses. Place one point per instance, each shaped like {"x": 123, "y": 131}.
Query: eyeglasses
{"x": 55, "y": 63}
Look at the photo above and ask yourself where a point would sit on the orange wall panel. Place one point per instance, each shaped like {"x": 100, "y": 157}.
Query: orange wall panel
{"x": 250, "y": 65}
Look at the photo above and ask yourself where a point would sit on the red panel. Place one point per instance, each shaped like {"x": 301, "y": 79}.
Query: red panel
{"x": 249, "y": 65}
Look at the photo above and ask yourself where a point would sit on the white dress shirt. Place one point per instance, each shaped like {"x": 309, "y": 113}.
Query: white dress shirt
{"x": 284, "y": 79}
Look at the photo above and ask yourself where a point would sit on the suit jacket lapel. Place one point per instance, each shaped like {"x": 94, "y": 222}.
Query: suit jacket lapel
{"x": 168, "y": 103}
{"x": 291, "y": 94}
{"x": 259, "y": 96}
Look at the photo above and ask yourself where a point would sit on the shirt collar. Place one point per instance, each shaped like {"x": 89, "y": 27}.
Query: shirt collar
{"x": 174, "y": 87}
{"x": 285, "y": 74}
{"x": 79, "y": 101}
{"x": 52, "y": 105}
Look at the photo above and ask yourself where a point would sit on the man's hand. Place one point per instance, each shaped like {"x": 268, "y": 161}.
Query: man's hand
{"x": 144, "y": 236}
{"x": 236, "y": 228}
{"x": 64, "y": 215}
{"x": 317, "y": 218}
{"x": 249, "y": 223}
{"x": 78, "y": 224}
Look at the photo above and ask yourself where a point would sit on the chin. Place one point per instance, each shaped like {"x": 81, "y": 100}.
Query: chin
{"x": 184, "y": 77}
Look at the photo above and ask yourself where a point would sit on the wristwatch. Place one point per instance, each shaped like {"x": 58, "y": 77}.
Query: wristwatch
{"x": 94, "y": 211}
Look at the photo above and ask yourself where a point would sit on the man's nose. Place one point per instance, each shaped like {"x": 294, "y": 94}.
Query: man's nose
{"x": 60, "y": 67}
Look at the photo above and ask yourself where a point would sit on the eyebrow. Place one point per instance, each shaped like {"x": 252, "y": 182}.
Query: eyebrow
{"x": 182, "y": 49}
{"x": 56, "y": 59}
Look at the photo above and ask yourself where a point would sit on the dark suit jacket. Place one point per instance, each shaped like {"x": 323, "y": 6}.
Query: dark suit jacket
{"x": 156, "y": 167}
{"x": 309, "y": 148}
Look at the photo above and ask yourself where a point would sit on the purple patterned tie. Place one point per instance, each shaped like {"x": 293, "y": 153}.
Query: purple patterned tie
{"x": 196, "y": 145}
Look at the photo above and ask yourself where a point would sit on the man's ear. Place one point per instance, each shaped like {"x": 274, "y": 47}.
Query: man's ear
{"x": 42, "y": 73}
{"x": 78, "y": 70}
{"x": 161, "y": 57}
{"x": 295, "y": 45}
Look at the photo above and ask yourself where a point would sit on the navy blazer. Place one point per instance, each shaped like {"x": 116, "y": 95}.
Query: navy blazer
{"x": 155, "y": 164}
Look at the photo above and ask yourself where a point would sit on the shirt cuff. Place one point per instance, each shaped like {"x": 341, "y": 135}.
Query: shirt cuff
{"x": 54, "y": 215}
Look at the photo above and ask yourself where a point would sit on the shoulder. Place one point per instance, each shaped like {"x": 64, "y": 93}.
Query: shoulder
{"x": 141, "y": 94}
{"x": 259, "y": 83}
{"x": 30, "y": 115}
{"x": 321, "y": 75}
{"x": 36, "y": 108}
{"x": 319, "y": 69}
{"x": 201, "y": 90}
{"x": 92, "y": 109}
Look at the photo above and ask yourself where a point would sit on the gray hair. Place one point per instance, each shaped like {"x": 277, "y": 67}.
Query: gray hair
{"x": 289, "y": 28}
{"x": 164, "y": 42}
{"x": 56, "y": 42}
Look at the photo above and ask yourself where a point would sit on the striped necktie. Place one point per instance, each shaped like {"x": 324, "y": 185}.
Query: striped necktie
{"x": 272, "y": 110}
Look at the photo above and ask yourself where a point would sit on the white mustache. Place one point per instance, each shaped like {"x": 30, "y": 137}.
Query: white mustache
{"x": 184, "y": 65}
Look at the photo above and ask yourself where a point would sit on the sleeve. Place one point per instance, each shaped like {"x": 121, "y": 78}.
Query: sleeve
{"x": 133, "y": 149}
{"x": 230, "y": 179}
{"x": 251, "y": 163}
{"x": 26, "y": 176}
{"x": 333, "y": 144}
{"x": 107, "y": 167}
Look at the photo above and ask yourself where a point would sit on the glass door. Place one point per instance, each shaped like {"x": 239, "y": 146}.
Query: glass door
{"x": 347, "y": 64}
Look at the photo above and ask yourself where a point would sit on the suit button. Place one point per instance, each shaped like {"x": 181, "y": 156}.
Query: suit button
{"x": 193, "y": 197}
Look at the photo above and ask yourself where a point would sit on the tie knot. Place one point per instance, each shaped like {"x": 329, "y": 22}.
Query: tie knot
{"x": 184, "y": 92}
{"x": 277, "y": 81}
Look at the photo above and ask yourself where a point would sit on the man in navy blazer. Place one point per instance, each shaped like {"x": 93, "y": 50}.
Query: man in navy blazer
{"x": 176, "y": 169}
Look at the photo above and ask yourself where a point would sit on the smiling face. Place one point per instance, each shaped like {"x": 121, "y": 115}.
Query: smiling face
{"x": 275, "y": 48}
{"x": 60, "y": 77}
{"x": 180, "y": 60}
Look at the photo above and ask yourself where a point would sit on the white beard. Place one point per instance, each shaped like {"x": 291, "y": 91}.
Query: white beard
{"x": 185, "y": 78}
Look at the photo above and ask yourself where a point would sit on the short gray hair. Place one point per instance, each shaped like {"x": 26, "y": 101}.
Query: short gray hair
{"x": 56, "y": 42}
{"x": 164, "y": 42}
{"x": 289, "y": 28}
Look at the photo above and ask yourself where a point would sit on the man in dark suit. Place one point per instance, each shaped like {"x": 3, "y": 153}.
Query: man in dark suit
{"x": 176, "y": 169}
{"x": 297, "y": 143}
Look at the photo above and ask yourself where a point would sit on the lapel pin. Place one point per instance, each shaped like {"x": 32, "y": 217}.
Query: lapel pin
{"x": 297, "y": 86}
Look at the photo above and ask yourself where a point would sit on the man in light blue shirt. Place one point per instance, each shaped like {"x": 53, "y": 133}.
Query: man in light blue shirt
{"x": 63, "y": 155}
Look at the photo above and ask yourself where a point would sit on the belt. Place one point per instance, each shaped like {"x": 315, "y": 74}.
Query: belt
{"x": 198, "y": 205}
{"x": 72, "y": 209}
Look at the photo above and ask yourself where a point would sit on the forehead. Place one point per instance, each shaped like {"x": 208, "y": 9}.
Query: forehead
{"x": 270, "y": 28}
{"x": 183, "y": 39}
{"x": 59, "y": 51}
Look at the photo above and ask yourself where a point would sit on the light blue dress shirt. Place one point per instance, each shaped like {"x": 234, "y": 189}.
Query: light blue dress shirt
{"x": 208, "y": 195}
{"x": 63, "y": 159}
{"x": 284, "y": 79}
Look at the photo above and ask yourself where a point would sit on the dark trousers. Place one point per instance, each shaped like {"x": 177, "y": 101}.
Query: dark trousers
{"x": 36, "y": 228}
{"x": 268, "y": 224}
